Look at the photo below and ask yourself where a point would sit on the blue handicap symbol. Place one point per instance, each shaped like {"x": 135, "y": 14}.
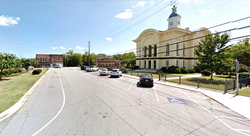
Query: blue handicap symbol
{"x": 179, "y": 101}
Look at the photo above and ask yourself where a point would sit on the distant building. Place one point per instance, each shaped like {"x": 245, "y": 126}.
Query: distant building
{"x": 49, "y": 60}
{"x": 108, "y": 63}
{"x": 175, "y": 46}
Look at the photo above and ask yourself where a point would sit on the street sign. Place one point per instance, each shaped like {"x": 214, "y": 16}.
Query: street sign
{"x": 237, "y": 67}
{"x": 179, "y": 101}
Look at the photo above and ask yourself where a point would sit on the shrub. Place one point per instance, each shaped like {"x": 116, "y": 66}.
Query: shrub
{"x": 184, "y": 70}
{"x": 191, "y": 70}
{"x": 205, "y": 73}
{"x": 124, "y": 70}
{"x": 173, "y": 69}
{"x": 36, "y": 71}
{"x": 164, "y": 69}
{"x": 136, "y": 67}
{"x": 244, "y": 74}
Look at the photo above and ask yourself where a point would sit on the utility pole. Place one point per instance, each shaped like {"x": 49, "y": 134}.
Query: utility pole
{"x": 89, "y": 53}
{"x": 237, "y": 67}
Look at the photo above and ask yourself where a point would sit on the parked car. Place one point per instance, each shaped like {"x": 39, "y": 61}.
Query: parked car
{"x": 146, "y": 80}
{"x": 116, "y": 72}
{"x": 83, "y": 67}
{"x": 105, "y": 72}
{"x": 92, "y": 68}
{"x": 31, "y": 67}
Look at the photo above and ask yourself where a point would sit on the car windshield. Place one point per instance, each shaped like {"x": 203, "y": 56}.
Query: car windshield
{"x": 104, "y": 70}
{"x": 146, "y": 76}
{"x": 114, "y": 70}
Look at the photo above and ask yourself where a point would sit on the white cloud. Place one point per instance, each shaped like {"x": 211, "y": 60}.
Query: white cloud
{"x": 133, "y": 6}
{"x": 80, "y": 48}
{"x": 140, "y": 4}
{"x": 8, "y": 21}
{"x": 54, "y": 48}
{"x": 108, "y": 39}
{"x": 124, "y": 15}
{"x": 61, "y": 47}
{"x": 206, "y": 11}
{"x": 152, "y": 2}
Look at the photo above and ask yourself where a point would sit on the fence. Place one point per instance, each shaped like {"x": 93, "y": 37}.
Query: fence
{"x": 222, "y": 85}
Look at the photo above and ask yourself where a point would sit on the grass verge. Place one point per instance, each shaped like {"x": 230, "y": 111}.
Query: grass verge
{"x": 13, "y": 88}
{"x": 243, "y": 92}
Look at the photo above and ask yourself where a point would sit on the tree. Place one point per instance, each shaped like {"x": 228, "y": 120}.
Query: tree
{"x": 211, "y": 55}
{"x": 241, "y": 51}
{"x": 28, "y": 62}
{"x": 8, "y": 61}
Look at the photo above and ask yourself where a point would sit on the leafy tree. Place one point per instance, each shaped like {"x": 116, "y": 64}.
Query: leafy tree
{"x": 211, "y": 55}
{"x": 241, "y": 51}
{"x": 28, "y": 62}
{"x": 8, "y": 61}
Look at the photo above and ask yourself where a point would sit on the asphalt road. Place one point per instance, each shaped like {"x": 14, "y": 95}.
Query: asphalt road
{"x": 73, "y": 102}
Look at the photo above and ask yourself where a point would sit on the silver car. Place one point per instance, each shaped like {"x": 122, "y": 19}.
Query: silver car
{"x": 116, "y": 72}
{"x": 104, "y": 72}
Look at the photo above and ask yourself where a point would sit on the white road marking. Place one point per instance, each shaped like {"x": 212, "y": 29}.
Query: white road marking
{"x": 116, "y": 80}
{"x": 213, "y": 114}
{"x": 232, "y": 118}
{"x": 220, "y": 109}
{"x": 243, "y": 130}
{"x": 131, "y": 84}
{"x": 57, "y": 113}
{"x": 156, "y": 95}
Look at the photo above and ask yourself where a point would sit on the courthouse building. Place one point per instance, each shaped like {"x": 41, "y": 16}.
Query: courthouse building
{"x": 175, "y": 46}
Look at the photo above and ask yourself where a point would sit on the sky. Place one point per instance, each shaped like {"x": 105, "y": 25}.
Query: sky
{"x": 30, "y": 27}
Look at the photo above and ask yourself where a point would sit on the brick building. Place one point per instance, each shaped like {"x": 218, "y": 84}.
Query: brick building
{"x": 49, "y": 60}
{"x": 108, "y": 63}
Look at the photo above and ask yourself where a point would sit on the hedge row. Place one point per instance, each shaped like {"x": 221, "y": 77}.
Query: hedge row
{"x": 176, "y": 69}
{"x": 11, "y": 72}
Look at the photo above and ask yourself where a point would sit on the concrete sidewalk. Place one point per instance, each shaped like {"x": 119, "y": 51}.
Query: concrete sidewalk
{"x": 239, "y": 104}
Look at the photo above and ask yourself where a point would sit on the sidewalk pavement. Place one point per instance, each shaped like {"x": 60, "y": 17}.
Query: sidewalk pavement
{"x": 239, "y": 104}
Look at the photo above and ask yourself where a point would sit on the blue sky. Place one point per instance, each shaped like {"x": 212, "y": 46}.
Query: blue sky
{"x": 35, "y": 27}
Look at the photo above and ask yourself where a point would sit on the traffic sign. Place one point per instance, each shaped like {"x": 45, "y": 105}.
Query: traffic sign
{"x": 179, "y": 101}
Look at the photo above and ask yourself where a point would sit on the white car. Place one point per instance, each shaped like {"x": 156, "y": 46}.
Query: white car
{"x": 104, "y": 72}
{"x": 92, "y": 68}
{"x": 116, "y": 72}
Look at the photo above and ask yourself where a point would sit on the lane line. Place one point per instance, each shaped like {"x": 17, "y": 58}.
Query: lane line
{"x": 57, "y": 113}
{"x": 220, "y": 109}
{"x": 156, "y": 94}
{"x": 116, "y": 80}
{"x": 232, "y": 118}
{"x": 131, "y": 84}
{"x": 213, "y": 114}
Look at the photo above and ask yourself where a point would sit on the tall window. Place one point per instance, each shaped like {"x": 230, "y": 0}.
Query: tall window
{"x": 183, "y": 50}
{"x": 167, "y": 63}
{"x": 177, "y": 49}
{"x": 150, "y": 51}
{"x": 48, "y": 59}
{"x": 167, "y": 49}
{"x": 43, "y": 59}
{"x": 145, "y": 51}
{"x": 144, "y": 64}
{"x": 53, "y": 59}
{"x": 60, "y": 59}
{"x": 155, "y": 50}
{"x": 38, "y": 59}
{"x": 56, "y": 59}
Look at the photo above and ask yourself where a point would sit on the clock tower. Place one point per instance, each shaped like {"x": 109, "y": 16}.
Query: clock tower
{"x": 174, "y": 20}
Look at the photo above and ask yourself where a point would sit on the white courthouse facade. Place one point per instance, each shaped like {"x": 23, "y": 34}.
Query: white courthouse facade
{"x": 175, "y": 46}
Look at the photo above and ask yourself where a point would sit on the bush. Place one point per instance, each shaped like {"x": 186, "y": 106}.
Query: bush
{"x": 173, "y": 69}
{"x": 244, "y": 74}
{"x": 36, "y": 71}
{"x": 205, "y": 73}
{"x": 184, "y": 70}
{"x": 164, "y": 69}
{"x": 124, "y": 70}
{"x": 136, "y": 67}
{"x": 191, "y": 71}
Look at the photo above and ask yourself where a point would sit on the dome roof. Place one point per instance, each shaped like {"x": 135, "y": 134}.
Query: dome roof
{"x": 174, "y": 14}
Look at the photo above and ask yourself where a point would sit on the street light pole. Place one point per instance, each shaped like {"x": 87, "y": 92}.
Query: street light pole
{"x": 89, "y": 53}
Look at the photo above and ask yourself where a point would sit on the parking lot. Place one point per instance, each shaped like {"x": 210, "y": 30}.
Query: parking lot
{"x": 101, "y": 105}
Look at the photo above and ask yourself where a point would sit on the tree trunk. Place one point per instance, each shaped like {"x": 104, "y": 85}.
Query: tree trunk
{"x": 211, "y": 76}
{"x": 1, "y": 73}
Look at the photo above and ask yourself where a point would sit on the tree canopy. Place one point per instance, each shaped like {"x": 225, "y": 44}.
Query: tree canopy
{"x": 211, "y": 55}
{"x": 8, "y": 61}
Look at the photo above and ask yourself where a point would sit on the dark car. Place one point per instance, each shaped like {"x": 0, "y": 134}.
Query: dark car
{"x": 146, "y": 80}
{"x": 83, "y": 67}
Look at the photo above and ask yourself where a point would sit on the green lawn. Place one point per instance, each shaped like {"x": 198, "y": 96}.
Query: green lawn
{"x": 13, "y": 88}
{"x": 243, "y": 92}
{"x": 219, "y": 77}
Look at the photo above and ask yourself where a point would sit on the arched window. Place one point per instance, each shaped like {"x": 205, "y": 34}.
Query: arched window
{"x": 155, "y": 50}
{"x": 145, "y": 51}
{"x": 167, "y": 49}
{"x": 150, "y": 51}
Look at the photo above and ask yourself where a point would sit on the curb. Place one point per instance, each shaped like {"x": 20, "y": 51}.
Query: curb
{"x": 22, "y": 101}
